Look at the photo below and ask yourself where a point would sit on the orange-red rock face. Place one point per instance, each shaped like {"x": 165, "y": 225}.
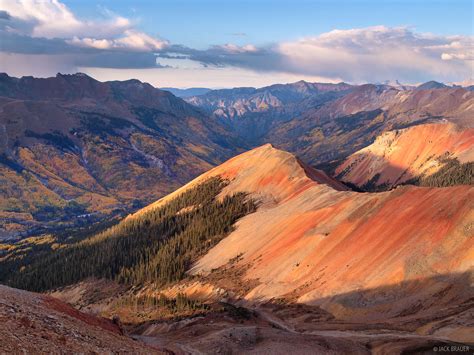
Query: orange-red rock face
{"x": 312, "y": 243}
{"x": 398, "y": 156}
{"x": 357, "y": 255}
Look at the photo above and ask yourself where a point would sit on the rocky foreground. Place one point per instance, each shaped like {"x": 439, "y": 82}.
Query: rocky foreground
{"x": 32, "y": 323}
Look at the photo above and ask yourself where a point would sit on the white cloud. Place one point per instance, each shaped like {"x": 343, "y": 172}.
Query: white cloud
{"x": 233, "y": 48}
{"x": 372, "y": 54}
{"x": 377, "y": 53}
{"x": 459, "y": 56}
{"x": 42, "y": 29}
{"x": 131, "y": 39}
{"x": 52, "y": 19}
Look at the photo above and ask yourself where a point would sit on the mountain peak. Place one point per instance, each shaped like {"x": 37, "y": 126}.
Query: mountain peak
{"x": 270, "y": 174}
{"x": 301, "y": 82}
{"x": 73, "y": 76}
{"x": 266, "y": 146}
{"x": 431, "y": 85}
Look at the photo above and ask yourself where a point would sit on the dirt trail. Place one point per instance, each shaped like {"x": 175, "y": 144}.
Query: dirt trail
{"x": 280, "y": 324}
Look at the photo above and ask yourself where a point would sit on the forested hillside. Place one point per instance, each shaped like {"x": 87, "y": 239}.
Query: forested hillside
{"x": 451, "y": 174}
{"x": 157, "y": 247}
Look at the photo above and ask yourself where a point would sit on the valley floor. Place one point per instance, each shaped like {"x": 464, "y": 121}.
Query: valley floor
{"x": 237, "y": 326}
{"x": 264, "y": 332}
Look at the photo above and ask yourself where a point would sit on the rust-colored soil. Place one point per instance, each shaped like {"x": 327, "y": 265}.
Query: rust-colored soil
{"x": 362, "y": 257}
{"x": 37, "y": 324}
{"x": 398, "y": 156}
{"x": 59, "y": 306}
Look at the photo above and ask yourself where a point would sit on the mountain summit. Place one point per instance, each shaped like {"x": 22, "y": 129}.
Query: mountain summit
{"x": 431, "y": 85}
{"x": 312, "y": 241}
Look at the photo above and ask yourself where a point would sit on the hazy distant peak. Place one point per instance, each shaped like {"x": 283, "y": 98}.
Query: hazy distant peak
{"x": 183, "y": 93}
{"x": 431, "y": 85}
{"x": 75, "y": 75}
{"x": 398, "y": 85}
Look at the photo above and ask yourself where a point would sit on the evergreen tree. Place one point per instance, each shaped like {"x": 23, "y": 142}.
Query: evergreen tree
{"x": 158, "y": 247}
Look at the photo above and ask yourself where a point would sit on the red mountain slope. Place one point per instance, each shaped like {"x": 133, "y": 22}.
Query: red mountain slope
{"x": 367, "y": 257}
{"x": 388, "y": 271}
{"x": 398, "y": 156}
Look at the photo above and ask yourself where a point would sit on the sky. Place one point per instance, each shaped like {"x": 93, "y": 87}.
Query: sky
{"x": 210, "y": 43}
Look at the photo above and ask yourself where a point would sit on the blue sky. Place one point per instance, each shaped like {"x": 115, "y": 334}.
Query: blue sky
{"x": 200, "y": 23}
{"x": 227, "y": 43}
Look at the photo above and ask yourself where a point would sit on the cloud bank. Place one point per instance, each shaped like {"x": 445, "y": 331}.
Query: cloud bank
{"x": 42, "y": 37}
{"x": 40, "y": 29}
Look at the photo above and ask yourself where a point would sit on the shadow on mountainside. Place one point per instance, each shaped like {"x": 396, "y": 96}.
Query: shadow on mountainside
{"x": 405, "y": 304}
{"x": 364, "y": 178}
{"x": 411, "y": 317}
{"x": 368, "y": 172}
{"x": 371, "y": 173}
{"x": 414, "y": 315}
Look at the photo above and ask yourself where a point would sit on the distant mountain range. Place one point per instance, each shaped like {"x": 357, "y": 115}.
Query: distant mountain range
{"x": 252, "y": 112}
{"x": 235, "y": 103}
{"x": 326, "y": 122}
{"x": 185, "y": 93}
{"x": 75, "y": 150}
